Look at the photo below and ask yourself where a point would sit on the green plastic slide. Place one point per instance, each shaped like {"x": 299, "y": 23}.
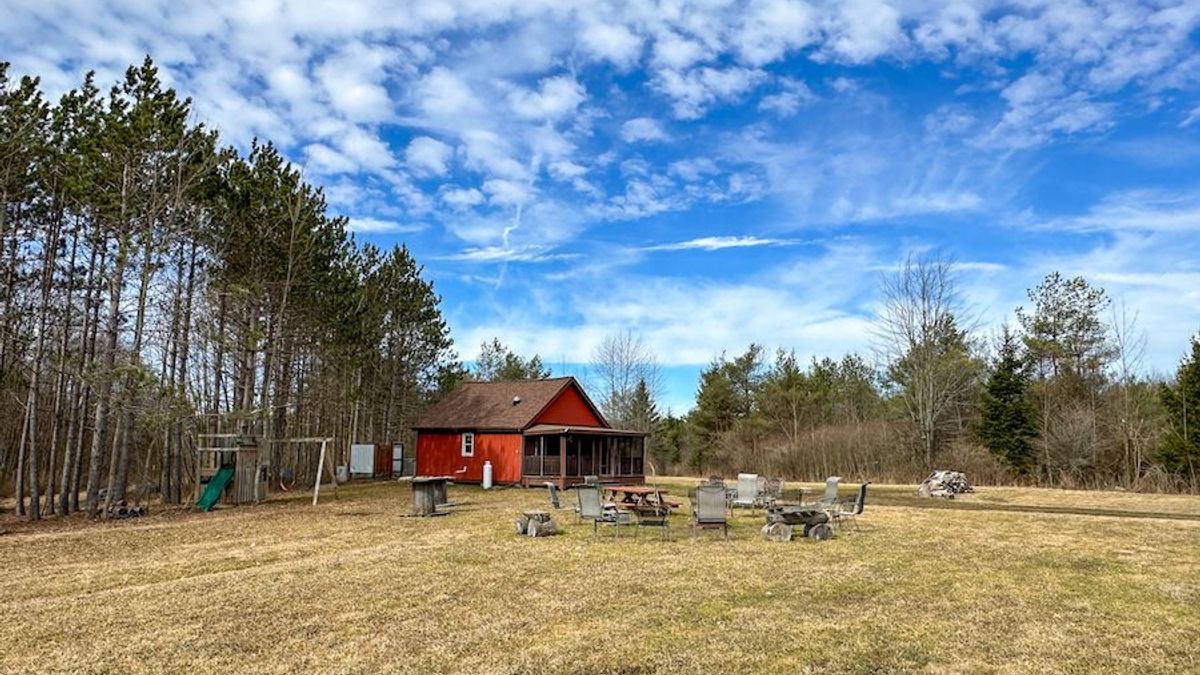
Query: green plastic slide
{"x": 216, "y": 485}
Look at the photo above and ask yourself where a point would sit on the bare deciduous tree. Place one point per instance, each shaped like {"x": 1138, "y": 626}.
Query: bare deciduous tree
{"x": 621, "y": 361}
{"x": 927, "y": 350}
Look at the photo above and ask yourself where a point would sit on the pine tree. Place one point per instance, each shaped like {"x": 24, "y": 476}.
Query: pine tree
{"x": 1008, "y": 420}
{"x": 1180, "y": 452}
{"x": 497, "y": 362}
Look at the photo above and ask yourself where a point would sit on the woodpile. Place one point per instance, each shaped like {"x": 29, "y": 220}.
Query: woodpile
{"x": 944, "y": 484}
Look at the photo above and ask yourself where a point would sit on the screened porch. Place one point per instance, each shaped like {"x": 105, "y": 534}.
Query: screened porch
{"x": 564, "y": 455}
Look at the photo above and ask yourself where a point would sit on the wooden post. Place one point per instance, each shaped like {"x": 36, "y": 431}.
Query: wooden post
{"x": 562, "y": 461}
{"x": 320, "y": 474}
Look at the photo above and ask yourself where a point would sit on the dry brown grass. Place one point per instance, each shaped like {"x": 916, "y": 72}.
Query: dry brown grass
{"x": 352, "y": 586}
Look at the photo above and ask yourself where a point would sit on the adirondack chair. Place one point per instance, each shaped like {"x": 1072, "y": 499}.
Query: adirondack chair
{"x": 709, "y": 510}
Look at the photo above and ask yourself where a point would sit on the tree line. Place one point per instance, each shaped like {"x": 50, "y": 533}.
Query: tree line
{"x": 155, "y": 284}
{"x": 1059, "y": 398}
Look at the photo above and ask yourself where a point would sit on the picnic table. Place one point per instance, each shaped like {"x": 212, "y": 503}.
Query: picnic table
{"x": 636, "y": 496}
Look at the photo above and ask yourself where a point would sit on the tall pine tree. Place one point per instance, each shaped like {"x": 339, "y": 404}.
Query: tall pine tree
{"x": 1180, "y": 452}
{"x": 1008, "y": 423}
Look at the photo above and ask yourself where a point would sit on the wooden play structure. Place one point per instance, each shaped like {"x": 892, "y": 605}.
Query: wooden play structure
{"x": 233, "y": 469}
{"x": 230, "y": 469}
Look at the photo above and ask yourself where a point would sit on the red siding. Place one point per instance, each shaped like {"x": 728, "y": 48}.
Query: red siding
{"x": 569, "y": 409}
{"x": 440, "y": 454}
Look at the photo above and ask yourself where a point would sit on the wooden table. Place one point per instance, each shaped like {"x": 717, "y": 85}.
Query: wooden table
{"x": 428, "y": 493}
{"x": 634, "y": 496}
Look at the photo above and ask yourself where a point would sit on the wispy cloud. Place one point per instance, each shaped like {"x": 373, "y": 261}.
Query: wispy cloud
{"x": 1140, "y": 210}
{"x": 366, "y": 225}
{"x": 719, "y": 243}
{"x": 500, "y": 254}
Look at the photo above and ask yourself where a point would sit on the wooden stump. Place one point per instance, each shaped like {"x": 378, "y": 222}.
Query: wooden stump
{"x": 440, "y": 493}
{"x": 536, "y": 524}
{"x": 777, "y": 531}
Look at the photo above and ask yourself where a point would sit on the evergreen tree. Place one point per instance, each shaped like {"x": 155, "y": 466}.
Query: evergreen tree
{"x": 1008, "y": 420}
{"x": 1180, "y": 452}
{"x": 497, "y": 362}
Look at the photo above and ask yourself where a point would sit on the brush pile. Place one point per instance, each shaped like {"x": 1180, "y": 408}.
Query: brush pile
{"x": 944, "y": 484}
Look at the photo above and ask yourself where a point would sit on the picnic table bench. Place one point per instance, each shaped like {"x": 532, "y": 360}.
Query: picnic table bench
{"x": 634, "y": 496}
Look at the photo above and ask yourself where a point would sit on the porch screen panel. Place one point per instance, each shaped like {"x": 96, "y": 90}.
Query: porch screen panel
{"x": 573, "y": 450}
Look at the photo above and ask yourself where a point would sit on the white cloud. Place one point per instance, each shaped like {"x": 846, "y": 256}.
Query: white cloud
{"x": 487, "y": 152}
{"x": 444, "y": 94}
{"x": 459, "y": 198}
{"x": 694, "y": 169}
{"x": 863, "y": 30}
{"x": 1140, "y": 210}
{"x": 555, "y": 98}
{"x": 353, "y": 81}
{"x": 501, "y": 254}
{"x": 671, "y": 50}
{"x": 642, "y": 129}
{"x": 694, "y": 91}
{"x": 771, "y": 28}
{"x": 427, "y": 156}
{"x": 1191, "y": 118}
{"x": 720, "y": 243}
{"x": 794, "y": 95}
{"x": 507, "y": 192}
{"x": 368, "y": 225}
{"x": 613, "y": 42}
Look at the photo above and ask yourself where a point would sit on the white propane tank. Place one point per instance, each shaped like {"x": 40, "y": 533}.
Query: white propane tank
{"x": 487, "y": 475}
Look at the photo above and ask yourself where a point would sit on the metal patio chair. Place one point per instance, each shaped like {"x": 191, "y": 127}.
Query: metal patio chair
{"x": 592, "y": 508}
{"x": 709, "y": 510}
{"x": 849, "y": 510}
{"x": 554, "y": 499}
{"x": 831, "y": 492}
{"x": 654, "y": 513}
{"x": 747, "y": 492}
{"x": 771, "y": 493}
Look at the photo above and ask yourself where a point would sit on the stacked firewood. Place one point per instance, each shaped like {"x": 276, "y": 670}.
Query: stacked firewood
{"x": 944, "y": 484}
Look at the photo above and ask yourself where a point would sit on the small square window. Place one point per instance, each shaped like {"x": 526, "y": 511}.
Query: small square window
{"x": 468, "y": 445}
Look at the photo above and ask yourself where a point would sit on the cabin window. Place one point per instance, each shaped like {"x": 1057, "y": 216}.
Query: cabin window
{"x": 468, "y": 445}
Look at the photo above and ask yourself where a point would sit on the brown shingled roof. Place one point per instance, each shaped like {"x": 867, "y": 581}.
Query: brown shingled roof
{"x": 489, "y": 406}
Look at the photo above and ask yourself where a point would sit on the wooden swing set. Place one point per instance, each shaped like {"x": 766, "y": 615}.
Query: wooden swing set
{"x": 248, "y": 482}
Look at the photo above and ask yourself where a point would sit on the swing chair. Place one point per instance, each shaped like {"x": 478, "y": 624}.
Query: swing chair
{"x": 289, "y": 469}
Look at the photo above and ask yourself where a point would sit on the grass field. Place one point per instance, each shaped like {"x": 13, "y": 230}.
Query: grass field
{"x": 1006, "y": 580}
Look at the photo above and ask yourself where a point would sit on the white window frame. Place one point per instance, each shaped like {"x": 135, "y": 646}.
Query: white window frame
{"x": 468, "y": 444}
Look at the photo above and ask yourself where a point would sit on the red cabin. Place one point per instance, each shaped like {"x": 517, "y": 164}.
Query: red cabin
{"x": 532, "y": 431}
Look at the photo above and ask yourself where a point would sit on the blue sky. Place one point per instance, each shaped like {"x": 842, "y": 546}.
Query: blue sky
{"x": 705, "y": 174}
